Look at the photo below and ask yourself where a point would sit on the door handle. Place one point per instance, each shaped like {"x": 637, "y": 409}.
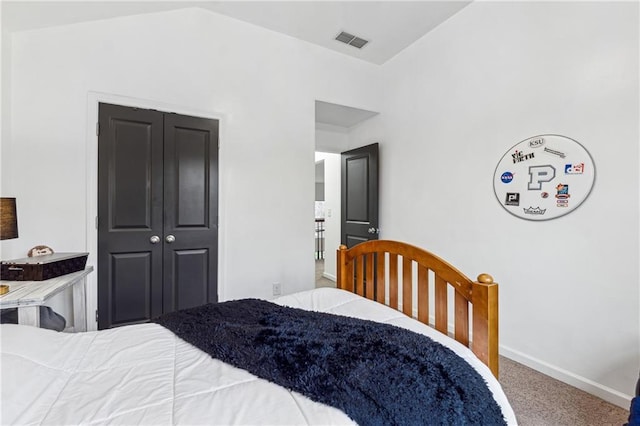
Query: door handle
{"x": 154, "y": 239}
{"x": 170, "y": 238}
{"x": 373, "y": 230}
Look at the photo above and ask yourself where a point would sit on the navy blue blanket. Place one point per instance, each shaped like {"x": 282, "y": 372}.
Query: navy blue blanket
{"x": 378, "y": 374}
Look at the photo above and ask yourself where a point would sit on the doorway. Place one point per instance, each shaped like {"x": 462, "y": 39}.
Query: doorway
{"x": 157, "y": 213}
{"x": 327, "y": 217}
{"x": 334, "y": 124}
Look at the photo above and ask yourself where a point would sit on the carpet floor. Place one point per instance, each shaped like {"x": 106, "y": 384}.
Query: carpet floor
{"x": 540, "y": 400}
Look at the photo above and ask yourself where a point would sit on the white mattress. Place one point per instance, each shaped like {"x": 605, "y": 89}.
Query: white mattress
{"x": 144, "y": 374}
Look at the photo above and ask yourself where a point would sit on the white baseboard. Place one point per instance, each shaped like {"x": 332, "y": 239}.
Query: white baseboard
{"x": 329, "y": 277}
{"x": 601, "y": 391}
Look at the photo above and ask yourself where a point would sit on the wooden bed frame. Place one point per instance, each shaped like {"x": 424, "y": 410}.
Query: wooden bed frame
{"x": 368, "y": 262}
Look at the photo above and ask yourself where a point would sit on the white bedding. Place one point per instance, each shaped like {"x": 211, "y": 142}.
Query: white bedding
{"x": 144, "y": 374}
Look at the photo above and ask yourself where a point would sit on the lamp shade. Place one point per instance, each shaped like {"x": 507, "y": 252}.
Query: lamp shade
{"x": 8, "y": 219}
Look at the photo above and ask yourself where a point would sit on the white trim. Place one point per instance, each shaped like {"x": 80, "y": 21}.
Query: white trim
{"x": 93, "y": 99}
{"x": 329, "y": 276}
{"x": 601, "y": 391}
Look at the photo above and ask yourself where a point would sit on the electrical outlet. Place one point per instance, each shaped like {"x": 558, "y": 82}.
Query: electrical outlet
{"x": 277, "y": 289}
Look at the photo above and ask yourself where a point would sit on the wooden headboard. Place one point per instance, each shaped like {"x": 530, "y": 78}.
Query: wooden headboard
{"x": 371, "y": 269}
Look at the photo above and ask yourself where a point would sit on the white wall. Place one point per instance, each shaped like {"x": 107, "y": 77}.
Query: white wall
{"x": 492, "y": 75}
{"x": 5, "y": 103}
{"x": 260, "y": 83}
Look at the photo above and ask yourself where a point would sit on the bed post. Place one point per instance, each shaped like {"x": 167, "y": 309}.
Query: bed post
{"x": 341, "y": 265}
{"x": 484, "y": 295}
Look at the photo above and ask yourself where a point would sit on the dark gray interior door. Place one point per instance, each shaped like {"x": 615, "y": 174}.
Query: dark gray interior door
{"x": 359, "y": 195}
{"x": 191, "y": 211}
{"x": 157, "y": 213}
{"x": 130, "y": 184}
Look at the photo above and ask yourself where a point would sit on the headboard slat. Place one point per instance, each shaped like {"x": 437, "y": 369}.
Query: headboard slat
{"x": 407, "y": 287}
{"x": 461, "y": 323}
{"x": 393, "y": 280}
{"x": 359, "y": 263}
{"x": 369, "y": 284}
{"x": 380, "y": 277}
{"x": 423, "y": 294}
{"x": 441, "y": 305}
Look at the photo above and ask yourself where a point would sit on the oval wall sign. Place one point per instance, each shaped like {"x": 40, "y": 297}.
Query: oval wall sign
{"x": 544, "y": 177}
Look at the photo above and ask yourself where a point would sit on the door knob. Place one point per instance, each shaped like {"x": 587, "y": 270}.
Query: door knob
{"x": 372, "y": 230}
{"x": 154, "y": 239}
{"x": 170, "y": 239}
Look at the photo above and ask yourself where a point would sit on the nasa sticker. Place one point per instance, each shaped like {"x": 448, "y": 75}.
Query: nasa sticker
{"x": 544, "y": 177}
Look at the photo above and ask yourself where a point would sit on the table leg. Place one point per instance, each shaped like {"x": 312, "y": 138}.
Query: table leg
{"x": 29, "y": 315}
{"x": 80, "y": 306}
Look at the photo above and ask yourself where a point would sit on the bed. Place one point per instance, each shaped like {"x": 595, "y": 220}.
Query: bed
{"x": 146, "y": 374}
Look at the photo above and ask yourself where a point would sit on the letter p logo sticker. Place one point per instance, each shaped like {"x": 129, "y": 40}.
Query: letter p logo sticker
{"x": 539, "y": 174}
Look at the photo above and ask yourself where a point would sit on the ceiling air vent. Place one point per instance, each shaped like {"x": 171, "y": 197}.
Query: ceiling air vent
{"x": 351, "y": 40}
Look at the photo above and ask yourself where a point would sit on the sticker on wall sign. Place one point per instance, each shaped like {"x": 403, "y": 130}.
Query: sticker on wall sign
{"x": 506, "y": 177}
{"x": 556, "y": 174}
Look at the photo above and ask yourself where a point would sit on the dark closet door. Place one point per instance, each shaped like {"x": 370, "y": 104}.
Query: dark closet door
{"x": 191, "y": 211}
{"x": 157, "y": 213}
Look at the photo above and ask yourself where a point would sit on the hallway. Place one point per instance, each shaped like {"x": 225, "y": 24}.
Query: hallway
{"x": 320, "y": 280}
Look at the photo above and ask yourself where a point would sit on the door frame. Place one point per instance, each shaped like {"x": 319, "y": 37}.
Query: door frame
{"x": 91, "y": 163}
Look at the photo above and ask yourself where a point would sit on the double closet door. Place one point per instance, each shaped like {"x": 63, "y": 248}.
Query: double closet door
{"x": 157, "y": 213}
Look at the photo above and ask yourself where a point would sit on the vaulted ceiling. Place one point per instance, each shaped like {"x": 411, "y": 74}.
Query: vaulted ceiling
{"x": 389, "y": 26}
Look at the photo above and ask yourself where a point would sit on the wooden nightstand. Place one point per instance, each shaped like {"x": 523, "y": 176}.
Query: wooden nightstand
{"x": 27, "y": 296}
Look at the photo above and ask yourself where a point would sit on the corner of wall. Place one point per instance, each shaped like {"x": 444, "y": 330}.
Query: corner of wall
{"x": 5, "y": 114}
